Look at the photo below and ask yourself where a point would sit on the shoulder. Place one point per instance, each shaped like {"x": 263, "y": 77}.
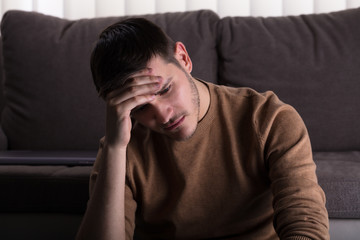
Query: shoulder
{"x": 264, "y": 109}
{"x": 247, "y": 99}
{"x": 243, "y": 92}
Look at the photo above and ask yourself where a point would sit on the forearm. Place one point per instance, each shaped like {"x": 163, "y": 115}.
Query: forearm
{"x": 104, "y": 217}
{"x": 299, "y": 202}
{"x": 299, "y": 210}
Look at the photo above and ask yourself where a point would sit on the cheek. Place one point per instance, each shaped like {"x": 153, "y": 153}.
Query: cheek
{"x": 180, "y": 98}
{"x": 176, "y": 98}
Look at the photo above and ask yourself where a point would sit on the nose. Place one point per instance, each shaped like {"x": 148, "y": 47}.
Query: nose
{"x": 162, "y": 112}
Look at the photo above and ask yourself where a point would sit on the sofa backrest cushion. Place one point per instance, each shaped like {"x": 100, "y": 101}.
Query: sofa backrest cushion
{"x": 51, "y": 102}
{"x": 3, "y": 140}
{"x": 2, "y": 99}
{"x": 311, "y": 61}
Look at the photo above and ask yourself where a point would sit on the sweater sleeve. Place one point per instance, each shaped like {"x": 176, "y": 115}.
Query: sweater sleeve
{"x": 299, "y": 202}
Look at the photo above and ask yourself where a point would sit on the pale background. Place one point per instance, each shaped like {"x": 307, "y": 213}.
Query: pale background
{"x": 75, "y": 9}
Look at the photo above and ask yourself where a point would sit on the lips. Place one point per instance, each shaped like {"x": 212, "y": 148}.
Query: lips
{"x": 174, "y": 124}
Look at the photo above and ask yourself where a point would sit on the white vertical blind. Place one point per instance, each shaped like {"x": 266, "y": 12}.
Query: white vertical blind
{"x": 26, "y": 5}
{"x": 322, "y": 6}
{"x": 266, "y": 8}
{"x": 291, "y": 7}
{"x": 202, "y": 4}
{"x": 234, "y": 8}
{"x": 75, "y": 9}
{"x": 53, "y": 7}
{"x": 79, "y": 9}
{"x": 105, "y": 8}
{"x": 353, "y": 3}
{"x": 133, "y": 7}
{"x": 170, "y": 6}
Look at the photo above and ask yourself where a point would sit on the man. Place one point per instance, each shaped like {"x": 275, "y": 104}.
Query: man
{"x": 186, "y": 159}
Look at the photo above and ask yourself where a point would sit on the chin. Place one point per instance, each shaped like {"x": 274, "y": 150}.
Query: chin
{"x": 183, "y": 134}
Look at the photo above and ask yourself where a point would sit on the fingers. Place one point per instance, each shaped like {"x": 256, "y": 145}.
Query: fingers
{"x": 135, "y": 83}
{"x": 137, "y": 90}
{"x": 142, "y": 86}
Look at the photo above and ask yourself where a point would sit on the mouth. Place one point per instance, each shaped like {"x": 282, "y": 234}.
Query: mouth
{"x": 174, "y": 124}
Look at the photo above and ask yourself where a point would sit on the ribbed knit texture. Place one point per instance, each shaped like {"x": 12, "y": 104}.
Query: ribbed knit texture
{"x": 298, "y": 238}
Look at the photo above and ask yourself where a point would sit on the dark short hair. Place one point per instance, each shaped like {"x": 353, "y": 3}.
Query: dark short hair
{"x": 125, "y": 48}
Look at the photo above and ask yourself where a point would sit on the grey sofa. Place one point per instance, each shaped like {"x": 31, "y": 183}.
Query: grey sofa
{"x": 52, "y": 119}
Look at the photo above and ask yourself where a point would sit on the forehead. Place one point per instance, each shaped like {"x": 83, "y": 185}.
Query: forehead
{"x": 156, "y": 62}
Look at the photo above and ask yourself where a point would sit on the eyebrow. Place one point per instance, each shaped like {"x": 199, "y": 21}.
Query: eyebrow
{"x": 164, "y": 86}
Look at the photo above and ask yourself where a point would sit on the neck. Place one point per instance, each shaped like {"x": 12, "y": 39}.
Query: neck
{"x": 204, "y": 97}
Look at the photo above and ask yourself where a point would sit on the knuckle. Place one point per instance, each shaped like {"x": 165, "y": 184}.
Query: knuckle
{"x": 128, "y": 82}
{"x": 132, "y": 89}
{"x": 138, "y": 99}
{"x": 131, "y": 80}
{"x": 111, "y": 102}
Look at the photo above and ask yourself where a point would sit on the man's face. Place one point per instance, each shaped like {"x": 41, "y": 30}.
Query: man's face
{"x": 175, "y": 110}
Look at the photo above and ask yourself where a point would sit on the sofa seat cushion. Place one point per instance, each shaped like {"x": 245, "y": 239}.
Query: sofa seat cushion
{"x": 339, "y": 176}
{"x": 68, "y": 158}
{"x": 31, "y": 187}
{"x": 51, "y": 101}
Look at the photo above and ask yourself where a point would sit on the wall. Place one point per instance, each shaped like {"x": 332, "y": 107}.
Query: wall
{"x": 74, "y": 9}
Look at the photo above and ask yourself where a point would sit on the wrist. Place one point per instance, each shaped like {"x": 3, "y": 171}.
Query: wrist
{"x": 114, "y": 146}
{"x": 113, "y": 158}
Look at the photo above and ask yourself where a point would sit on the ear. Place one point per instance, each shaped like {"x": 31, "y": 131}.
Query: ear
{"x": 183, "y": 57}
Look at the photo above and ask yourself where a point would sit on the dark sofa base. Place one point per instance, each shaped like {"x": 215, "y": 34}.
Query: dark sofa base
{"x": 47, "y": 189}
{"x": 38, "y": 226}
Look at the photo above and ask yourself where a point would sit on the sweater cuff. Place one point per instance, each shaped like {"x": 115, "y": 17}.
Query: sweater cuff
{"x": 297, "y": 238}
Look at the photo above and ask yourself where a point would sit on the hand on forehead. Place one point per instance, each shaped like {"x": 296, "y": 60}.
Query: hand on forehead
{"x": 145, "y": 75}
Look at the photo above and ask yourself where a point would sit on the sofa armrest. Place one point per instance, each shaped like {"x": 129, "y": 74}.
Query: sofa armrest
{"x": 3, "y": 140}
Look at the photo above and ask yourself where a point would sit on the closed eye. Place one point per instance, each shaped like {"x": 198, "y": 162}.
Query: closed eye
{"x": 161, "y": 93}
{"x": 164, "y": 91}
{"x": 139, "y": 108}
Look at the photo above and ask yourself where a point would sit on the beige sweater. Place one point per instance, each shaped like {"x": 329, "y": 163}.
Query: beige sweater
{"x": 247, "y": 173}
